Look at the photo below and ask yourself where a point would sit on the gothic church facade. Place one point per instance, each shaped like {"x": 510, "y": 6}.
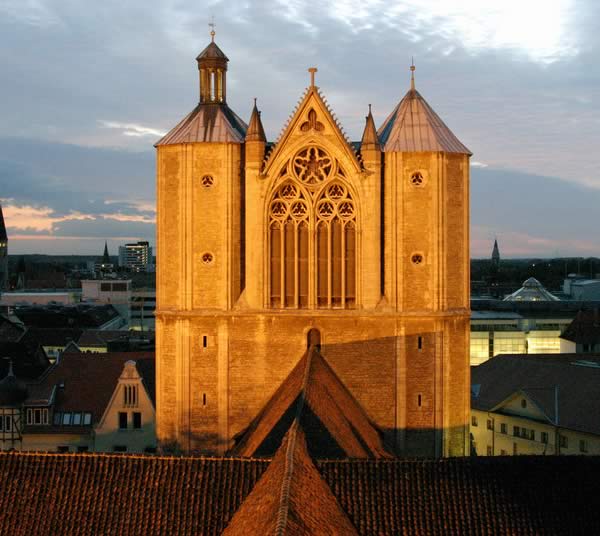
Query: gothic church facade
{"x": 363, "y": 247}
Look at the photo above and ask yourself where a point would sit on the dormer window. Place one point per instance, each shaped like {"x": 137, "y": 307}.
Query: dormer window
{"x": 37, "y": 416}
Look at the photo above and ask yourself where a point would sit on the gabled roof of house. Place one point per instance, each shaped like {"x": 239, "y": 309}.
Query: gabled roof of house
{"x": 53, "y": 336}
{"x": 585, "y": 328}
{"x": 86, "y": 382}
{"x": 89, "y": 494}
{"x": 291, "y": 497}
{"x": 575, "y": 376}
{"x": 98, "y": 338}
{"x": 333, "y": 422}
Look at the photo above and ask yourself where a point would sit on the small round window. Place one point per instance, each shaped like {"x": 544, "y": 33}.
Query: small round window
{"x": 207, "y": 181}
{"x": 417, "y": 179}
{"x": 207, "y": 258}
{"x": 417, "y": 258}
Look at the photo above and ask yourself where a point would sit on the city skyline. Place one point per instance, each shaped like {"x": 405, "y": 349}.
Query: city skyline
{"x": 76, "y": 157}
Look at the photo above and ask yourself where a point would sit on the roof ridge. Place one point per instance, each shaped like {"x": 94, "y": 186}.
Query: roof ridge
{"x": 284, "y": 495}
{"x": 35, "y": 453}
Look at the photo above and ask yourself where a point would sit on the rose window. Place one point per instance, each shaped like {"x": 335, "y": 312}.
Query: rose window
{"x": 312, "y": 166}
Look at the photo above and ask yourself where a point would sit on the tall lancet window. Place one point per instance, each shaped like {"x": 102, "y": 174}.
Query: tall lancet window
{"x": 312, "y": 235}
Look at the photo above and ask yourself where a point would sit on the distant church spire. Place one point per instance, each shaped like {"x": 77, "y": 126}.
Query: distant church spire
{"x": 496, "y": 254}
{"x": 105, "y": 256}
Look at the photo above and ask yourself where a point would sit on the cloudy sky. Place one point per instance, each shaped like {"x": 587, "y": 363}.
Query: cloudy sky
{"x": 88, "y": 87}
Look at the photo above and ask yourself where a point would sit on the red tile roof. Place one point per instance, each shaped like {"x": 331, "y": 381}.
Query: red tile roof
{"x": 291, "y": 498}
{"x": 335, "y": 425}
{"x": 94, "y": 494}
{"x": 91, "y": 494}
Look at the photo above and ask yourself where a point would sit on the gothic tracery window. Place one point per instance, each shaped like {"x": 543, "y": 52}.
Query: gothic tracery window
{"x": 312, "y": 235}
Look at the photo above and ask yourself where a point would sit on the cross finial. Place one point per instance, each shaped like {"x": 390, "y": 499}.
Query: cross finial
{"x": 312, "y": 71}
{"x": 212, "y": 25}
{"x": 412, "y": 73}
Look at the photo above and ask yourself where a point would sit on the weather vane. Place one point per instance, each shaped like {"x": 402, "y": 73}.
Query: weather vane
{"x": 212, "y": 25}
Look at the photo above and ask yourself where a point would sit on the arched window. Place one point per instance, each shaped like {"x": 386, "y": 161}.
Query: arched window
{"x": 312, "y": 235}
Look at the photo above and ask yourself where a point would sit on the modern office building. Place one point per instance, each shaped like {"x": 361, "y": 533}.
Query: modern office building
{"x": 135, "y": 257}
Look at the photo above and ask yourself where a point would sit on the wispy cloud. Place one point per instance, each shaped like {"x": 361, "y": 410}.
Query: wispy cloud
{"x": 474, "y": 163}
{"x": 132, "y": 129}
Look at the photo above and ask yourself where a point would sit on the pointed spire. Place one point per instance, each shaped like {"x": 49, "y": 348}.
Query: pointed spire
{"x": 370, "y": 139}
{"x": 255, "y": 130}
{"x": 496, "y": 253}
{"x": 3, "y": 235}
{"x": 105, "y": 256}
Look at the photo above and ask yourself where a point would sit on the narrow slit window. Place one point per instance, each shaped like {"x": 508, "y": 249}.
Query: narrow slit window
{"x": 204, "y": 399}
{"x": 419, "y": 400}
{"x": 420, "y": 343}
{"x": 204, "y": 341}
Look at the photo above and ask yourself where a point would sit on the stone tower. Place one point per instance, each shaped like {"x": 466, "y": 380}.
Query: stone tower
{"x": 263, "y": 246}
{"x": 3, "y": 253}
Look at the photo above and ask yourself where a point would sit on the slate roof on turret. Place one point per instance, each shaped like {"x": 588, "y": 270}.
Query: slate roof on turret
{"x": 333, "y": 422}
{"x": 413, "y": 126}
{"x": 215, "y": 123}
{"x": 3, "y": 235}
{"x": 212, "y": 51}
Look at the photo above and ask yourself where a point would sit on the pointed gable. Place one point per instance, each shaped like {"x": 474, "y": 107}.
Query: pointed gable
{"x": 334, "y": 423}
{"x": 291, "y": 498}
{"x": 413, "y": 126}
{"x": 312, "y": 117}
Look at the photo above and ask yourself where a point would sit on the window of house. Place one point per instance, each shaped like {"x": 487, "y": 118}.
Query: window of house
{"x": 474, "y": 420}
{"x": 490, "y": 424}
{"x": 489, "y": 451}
{"x": 87, "y": 419}
{"x": 62, "y": 448}
{"x": 544, "y": 437}
{"x": 314, "y": 195}
{"x": 8, "y": 423}
{"x": 503, "y": 428}
{"x": 83, "y": 448}
{"x": 76, "y": 419}
{"x": 130, "y": 396}
{"x": 563, "y": 442}
{"x": 120, "y": 448}
{"x": 57, "y": 418}
{"x": 137, "y": 420}
{"x": 104, "y": 287}
{"x": 1, "y": 423}
{"x": 119, "y": 287}
{"x": 523, "y": 403}
{"x": 516, "y": 431}
{"x": 122, "y": 420}
{"x": 66, "y": 419}
{"x": 583, "y": 445}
